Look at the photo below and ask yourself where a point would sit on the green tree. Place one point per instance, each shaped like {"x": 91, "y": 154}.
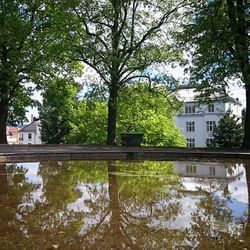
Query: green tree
{"x": 150, "y": 110}
{"x": 216, "y": 36}
{"x": 31, "y": 50}
{"x": 17, "y": 108}
{"x": 58, "y": 108}
{"x": 119, "y": 39}
{"x": 89, "y": 123}
{"x": 20, "y": 22}
{"x": 143, "y": 108}
{"x": 229, "y": 131}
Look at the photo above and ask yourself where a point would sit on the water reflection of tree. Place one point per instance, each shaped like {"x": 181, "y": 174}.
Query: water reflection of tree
{"x": 120, "y": 206}
{"x": 246, "y": 237}
{"x": 123, "y": 208}
{"x": 213, "y": 222}
{"x": 37, "y": 215}
{"x": 52, "y": 223}
{"x": 136, "y": 202}
{"x": 12, "y": 190}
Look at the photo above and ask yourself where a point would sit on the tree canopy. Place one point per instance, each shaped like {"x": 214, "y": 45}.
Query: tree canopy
{"x": 58, "y": 109}
{"x": 119, "y": 40}
{"x": 31, "y": 51}
{"x": 216, "y": 37}
{"x": 229, "y": 131}
{"x": 142, "y": 108}
{"x": 89, "y": 123}
{"x": 150, "y": 110}
{"x": 19, "y": 25}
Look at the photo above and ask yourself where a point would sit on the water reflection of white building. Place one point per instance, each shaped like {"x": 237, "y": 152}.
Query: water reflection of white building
{"x": 208, "y": 170}
{"x": 216, "y": 180}
{"x": 208, "y": 176}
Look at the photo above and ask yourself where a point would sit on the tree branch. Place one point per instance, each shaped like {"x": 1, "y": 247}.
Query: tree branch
{"x": 134, "y": 77}
{"x": 150, "y": 31}
{"x": 88, "y": 30}
{"x": 96, "y": 69}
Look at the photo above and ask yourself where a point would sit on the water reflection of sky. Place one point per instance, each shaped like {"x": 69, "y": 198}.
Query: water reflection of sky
{"x": 32, "y": 173}
{"x": 81, "y": 204}
{"x": 237, "y": 188}
{"x": 237, "y": 203}
{"x": 239, "y": 197}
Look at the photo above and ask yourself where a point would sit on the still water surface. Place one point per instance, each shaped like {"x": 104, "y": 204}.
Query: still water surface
{"x": 124, "y": 205}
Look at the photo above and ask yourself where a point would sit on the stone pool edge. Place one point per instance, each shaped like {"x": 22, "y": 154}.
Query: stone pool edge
{"x": 33, "y": 153}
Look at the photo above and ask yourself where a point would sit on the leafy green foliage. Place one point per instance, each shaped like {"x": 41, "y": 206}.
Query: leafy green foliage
{"x": 119, "y": 40}
{"x": 31, "y": 51}
{"x": 58, "y": 109}
{"x": 216, "y": 38}
{"x": 89, "y": 124}
{"x": 141, "y": 109}
{"x": 19, "y": 28}
{"x": 229, "y": 131}
{"x": 17, "y": 109}
{"x": 149, "y": 110}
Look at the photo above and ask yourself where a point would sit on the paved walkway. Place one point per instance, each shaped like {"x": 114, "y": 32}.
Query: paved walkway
{"x": 14, "y": 153}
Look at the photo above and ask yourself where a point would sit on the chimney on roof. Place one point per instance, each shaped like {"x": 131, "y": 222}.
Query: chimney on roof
{"x": 31, "y": 118}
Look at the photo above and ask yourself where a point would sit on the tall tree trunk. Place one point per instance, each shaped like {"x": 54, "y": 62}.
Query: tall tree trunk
{"x": 113, "y": 196}
{"x": 3, "y": 180}
{"x": 114, "y": 74}
{"x": 112, "y": 114}
{"x": 114, "y": 205}
{"x": 246, "y": 140}
{"x": 3, "y": 121}
{"x": 236, "y": 11}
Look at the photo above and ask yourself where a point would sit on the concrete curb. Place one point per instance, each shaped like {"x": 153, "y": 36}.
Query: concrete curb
{"x": 28, "y": 153}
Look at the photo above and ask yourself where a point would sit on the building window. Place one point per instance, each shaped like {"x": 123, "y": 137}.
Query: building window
{"x": 211, "y": 108}
{"x": 190, "y": 169}
{"x": 212, "y": 171}
{"x": 190, "y": 109}
{"x": 210, "y": 142}
{"x": 21, "y": 137}
{"x": 190, "y": 142}
{"x": 29, "y": 136}
{"x": 190, "y": 127}
{"x": 210, "y": 126}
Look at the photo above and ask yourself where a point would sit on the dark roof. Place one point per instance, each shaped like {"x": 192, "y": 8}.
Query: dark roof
{"x": 186, "y": 86}
{"x": 29, "y": 128}
{"x": 234, "y": 100}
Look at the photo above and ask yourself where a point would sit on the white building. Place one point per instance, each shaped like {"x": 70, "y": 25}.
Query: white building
{"x": 12, "y": 135}
{"x": 31, "y": 133}
{"x": 197, "y": 121}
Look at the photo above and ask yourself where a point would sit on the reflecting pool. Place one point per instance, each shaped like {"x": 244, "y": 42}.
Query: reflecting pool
{"x": 124, "y": 205}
